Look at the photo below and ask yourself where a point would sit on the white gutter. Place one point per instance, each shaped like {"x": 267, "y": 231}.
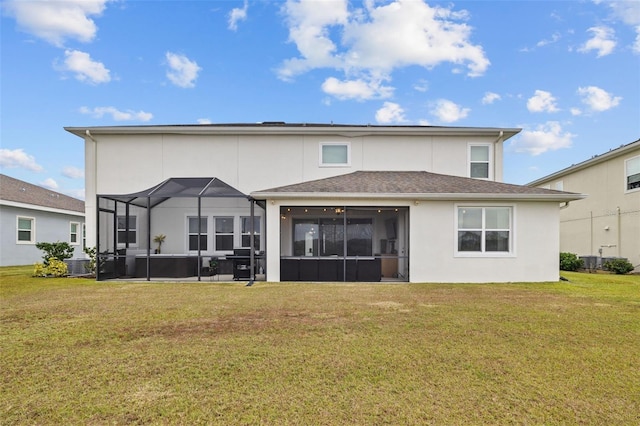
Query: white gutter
{"x": 40, "y": 208}
{"x": 418, "y": 196}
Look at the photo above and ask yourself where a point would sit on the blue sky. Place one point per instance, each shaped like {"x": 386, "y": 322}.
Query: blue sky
{"x": 566, "y": 72}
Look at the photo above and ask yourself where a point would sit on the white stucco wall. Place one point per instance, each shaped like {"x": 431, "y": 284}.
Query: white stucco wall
{"x": 125, "y": 163}
{"x": 432, "y": 242}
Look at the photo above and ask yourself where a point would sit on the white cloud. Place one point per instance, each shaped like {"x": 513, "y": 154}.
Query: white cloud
{"x": 368, "y": 43}
{"x": 390, "y": 113}
{"x": 542, "y": 101}
{"x": 17, "y": 158}
{"x": 361, "y": 89}
{"x": 49, "y": 183}
{"x": 603, "y": 41}
{"x": 421, "y": 86}
{"x": 73, "y": 172}
{"x": 576, "y": 111}
{"x": 545, "y": 137}
{"x": 236, "y": 15}
{"x": 626, "y": 11}
{"x": 117, "y": 115}
{"x": 598, "y": 99}
{"x": 554, "y": 38}
{"x": 636, "y": 45}
{"x": 56, "y": 21}
{"x": 85, "y": 69}
{"x": 490, "y": 97}
{"x": 448, "y": 112}
{"x": 204, "y": 121}
{"x": 182, "y": 71}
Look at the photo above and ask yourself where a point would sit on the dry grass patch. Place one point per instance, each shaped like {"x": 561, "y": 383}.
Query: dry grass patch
{"x": 76, "y": 351}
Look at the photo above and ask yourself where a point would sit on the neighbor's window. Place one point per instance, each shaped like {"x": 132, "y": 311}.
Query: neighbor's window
{"x": 224, "y": 233}
{"x": 632, "y": 173}
{"x": 74, "y": 228}
{"x": 484, "y": 229}
{"x": 127, "y": 230}
{"x": 245, "y": 223}
{"x": 479, "y": 164}
{"x": 335, "y": 154}
{"x": 26, "y": 230}
{"x": 193, "y": 233}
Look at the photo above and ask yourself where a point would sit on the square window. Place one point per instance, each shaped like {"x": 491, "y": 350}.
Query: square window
{"x": 335, "y": 154}
{"x": 484, "y": 229}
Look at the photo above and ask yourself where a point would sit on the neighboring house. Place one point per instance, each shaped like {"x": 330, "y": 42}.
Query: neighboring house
{"x": 607, "y": 222}
{"x": 31, "y": 214}
{"x": 319, "y": 202}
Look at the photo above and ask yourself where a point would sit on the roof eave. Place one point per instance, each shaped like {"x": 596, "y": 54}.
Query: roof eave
{"x": 342, "y": 130}
{"x": 564, "y": 197}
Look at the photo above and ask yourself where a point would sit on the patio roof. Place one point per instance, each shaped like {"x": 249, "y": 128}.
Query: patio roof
{"x": 200, "y": 187}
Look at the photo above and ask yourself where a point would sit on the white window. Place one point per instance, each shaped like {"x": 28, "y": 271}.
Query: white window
{"x": 335, "y": 154}
{"x": 479, "y": 161}
{"x": 559, "y": 186}
{"x": 223, "y": 233}
{"x": 74, "y": 229}
{"x": 632, "y": 173}
{"x": 127, "y": 231}
{"x": 193, "y": 229}
{"x": 484, "y": 230}
{"x": 26, "y": 230}
{"x": 245, "y": 222}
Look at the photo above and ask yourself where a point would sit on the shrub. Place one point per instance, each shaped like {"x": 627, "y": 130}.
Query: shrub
{"x": 570, "y": 262}
{"x": 53, "y": 267}
{"x": 58, "y": 250}
{"x": 619, "y": 266}
{"x": 91, "y": 252}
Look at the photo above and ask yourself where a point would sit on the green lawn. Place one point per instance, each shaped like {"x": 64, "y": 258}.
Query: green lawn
{"x": 76, "y": 351}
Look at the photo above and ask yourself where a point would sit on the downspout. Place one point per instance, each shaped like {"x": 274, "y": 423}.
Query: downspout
{"x": 619, "y": 242}
{"x": 500, "y": 136}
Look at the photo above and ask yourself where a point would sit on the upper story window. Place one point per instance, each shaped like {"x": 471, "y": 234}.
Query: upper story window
{"x": 335, "y": 154}
{"x": 127, "y": 230}
{"x": 26, "y": 231}
{"x": 480, "y": 161}
{"x": 632, "y": 173}
{"x": 74, "y": 230}
{"x": 484, "y": 230}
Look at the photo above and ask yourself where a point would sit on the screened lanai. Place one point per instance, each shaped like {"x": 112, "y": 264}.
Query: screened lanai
{"x": 181, "y": 228}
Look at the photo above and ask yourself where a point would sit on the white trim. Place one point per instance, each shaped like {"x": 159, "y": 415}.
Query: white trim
{"x": 40, "y": 208}
{"x": 32, "y": 230}
{"x": 567, "y": 196}
{"x": 486, "y": 254}
{"x": 321, "y": 163}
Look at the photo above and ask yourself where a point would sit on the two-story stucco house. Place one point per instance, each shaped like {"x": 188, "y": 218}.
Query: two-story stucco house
{"x": 30, "y": 214}
{"x": 317, "y": 202}
{"x": 607, "y": 222}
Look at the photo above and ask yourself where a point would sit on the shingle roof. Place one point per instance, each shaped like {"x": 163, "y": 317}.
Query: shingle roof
{"x": 411, "y": 184}
{"x": 18, "y": 191}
